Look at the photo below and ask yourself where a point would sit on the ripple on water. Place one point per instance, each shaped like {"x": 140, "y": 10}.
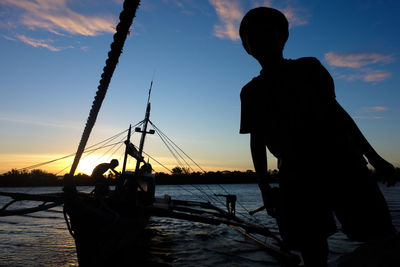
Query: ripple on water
{"x": 43, "y": 239}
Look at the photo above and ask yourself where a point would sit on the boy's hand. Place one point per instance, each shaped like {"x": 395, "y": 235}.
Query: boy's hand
{"x": 385, "y": 170}
{"x": 268, "y": 199}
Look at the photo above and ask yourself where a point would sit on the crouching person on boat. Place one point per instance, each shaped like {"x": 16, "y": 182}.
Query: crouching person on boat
{"x": 291, "y": 109}
{"x": 101, "y": 185}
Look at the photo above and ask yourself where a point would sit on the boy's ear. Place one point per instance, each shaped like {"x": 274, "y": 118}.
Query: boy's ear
{"x": 246, "y": 48}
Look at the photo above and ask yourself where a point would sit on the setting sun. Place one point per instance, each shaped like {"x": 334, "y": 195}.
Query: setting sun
{"x": 88, "y": 163}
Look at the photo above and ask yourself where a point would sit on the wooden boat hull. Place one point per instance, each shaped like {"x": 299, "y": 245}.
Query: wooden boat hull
{"x": 108, "y": 230}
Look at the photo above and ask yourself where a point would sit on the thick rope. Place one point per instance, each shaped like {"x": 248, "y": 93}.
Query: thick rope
{"x": 126, "y": 18}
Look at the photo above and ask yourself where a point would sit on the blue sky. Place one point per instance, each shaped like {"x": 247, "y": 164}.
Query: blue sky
{"x": 53, "y": 52}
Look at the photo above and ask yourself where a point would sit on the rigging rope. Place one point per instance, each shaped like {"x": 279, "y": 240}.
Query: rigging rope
{"x": 126, "y": 19}
{"x": 211, "y": 198}
{"x": 161, "y": 134}
{"x": 155, "y": 127}
{"x": 87, "y": 149}
{"x": 91, "y": 151}
{"x": 205, "y": 196}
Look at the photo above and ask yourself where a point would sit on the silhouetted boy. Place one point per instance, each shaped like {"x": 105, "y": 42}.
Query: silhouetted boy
{"x": 101, "y": 186}
{"x": 291, "y": 109}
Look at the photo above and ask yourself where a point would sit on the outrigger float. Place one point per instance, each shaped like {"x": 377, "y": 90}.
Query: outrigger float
{"x": 106, "y": 226}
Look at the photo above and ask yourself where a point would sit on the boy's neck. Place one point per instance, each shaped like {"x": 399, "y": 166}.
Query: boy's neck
{"x": 272, "y": 65}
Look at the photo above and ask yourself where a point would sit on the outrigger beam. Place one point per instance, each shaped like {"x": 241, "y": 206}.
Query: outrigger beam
{"x": 205, "y": 212}
{"x": 55, "y": 199}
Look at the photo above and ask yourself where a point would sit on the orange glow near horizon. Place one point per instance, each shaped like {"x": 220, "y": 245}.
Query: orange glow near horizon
{"x": 87, "y": 163}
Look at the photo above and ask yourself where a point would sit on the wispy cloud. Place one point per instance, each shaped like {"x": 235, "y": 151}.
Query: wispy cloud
{"x": 187, "y": 7}
{"x": 230, "y": 14}
{"x": 16, "y": 119}
{"x": 56, "y": 17}
{"x": 366, "y": 75}
{"x": 267, "y": 3}
{"x": 375, "y": 109}
{"x": 9, "y": 38}
{"x": 368, "y": 117}
{"x": 366, "y": 112}
{"x": 38, "y": 43}
{"x": 376, "y": 75}
{"x": 296, "y": 16}
{"x": 355, "y": 60}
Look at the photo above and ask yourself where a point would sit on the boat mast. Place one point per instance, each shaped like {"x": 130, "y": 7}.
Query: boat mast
{"x": 144, "y": 129}
{"x": 128, "y": 140}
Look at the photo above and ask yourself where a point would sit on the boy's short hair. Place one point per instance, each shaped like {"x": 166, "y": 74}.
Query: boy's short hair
{"x": 265, "y": 16}
{"x": 114, "y": 162}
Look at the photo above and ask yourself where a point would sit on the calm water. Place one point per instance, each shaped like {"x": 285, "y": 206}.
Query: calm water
{"x": 42, "y": 239}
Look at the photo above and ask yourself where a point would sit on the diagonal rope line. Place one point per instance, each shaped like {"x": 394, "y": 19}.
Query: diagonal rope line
{"x": 91, "y": 151}
{"x": 170, "y": 150}
{"x": 206, "y": 197}
{"x": 126, "y": 19}
{"x": 246, "y": 215}
{"x": 71, "y": 155}
{"x": 211, "y": 198}
{"x": 173, "y": 147}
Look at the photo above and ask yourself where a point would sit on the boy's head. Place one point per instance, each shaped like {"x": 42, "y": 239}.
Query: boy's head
{"x": 264, "y": 29}
{"x": 114, "y": 163}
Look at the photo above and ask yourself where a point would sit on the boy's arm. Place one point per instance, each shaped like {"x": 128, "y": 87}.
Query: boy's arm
{"x": 382, "y": 166}
{"x": 115, "y": 172}
{"x": 259, "y": 155}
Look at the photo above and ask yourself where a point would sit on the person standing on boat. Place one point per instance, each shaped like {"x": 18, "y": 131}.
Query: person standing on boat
{"x": 101, "y": 186}
{"x": 291, "y": 109}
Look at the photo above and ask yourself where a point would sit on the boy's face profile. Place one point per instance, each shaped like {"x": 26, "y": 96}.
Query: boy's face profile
{"x": 262, "y": 43}
{"x": 264, "y": 32}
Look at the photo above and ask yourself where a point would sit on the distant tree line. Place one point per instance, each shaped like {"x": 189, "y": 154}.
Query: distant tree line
{"x": 17, "y": 178}
{"x": 184, "y": 176}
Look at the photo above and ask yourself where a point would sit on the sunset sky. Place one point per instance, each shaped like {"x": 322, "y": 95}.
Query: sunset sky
{"x": 53, "y": 52}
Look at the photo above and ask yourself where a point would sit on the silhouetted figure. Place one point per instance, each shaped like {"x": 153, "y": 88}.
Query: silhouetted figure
{"x": 230, "y": 203}
{"x": 291, "y": 109}
{"x": 101, "y": 186}
{"x": 146, "y": 168}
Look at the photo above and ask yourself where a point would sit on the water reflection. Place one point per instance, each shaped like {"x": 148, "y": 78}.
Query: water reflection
{"x": 43, "y": 239}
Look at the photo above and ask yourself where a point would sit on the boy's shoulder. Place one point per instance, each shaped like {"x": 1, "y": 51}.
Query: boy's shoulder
{"x": 304, "y": 62}
{"x": 295, "y": 68}
{"x": 251, "y": 85}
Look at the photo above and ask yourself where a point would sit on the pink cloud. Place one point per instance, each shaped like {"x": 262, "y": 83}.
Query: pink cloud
{"x": 380, "y": 108}
{"x": 56, "y": 17}
{"x": 375, "y": 109}
{"x": 9, "y": 38}
{"x": 376, "y": 75}
{"x": 41, "y": 43}
{"x": 38, "y": 43}
{"x": 295, "y": 15}
{"x": 366, "y": 75}
{"x": 368, "y": 110}
{"x": 355, "y": 60}
{"x": 230, "y": 14}
{"x": 267, "y": 3}
{"x": 368, "y": 117}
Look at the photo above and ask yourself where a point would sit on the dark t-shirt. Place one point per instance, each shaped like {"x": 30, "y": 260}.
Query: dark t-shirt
{"x": 100, "y": 169}
{"x": 295, "y": 110}
{"x": 291, "y": 109}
